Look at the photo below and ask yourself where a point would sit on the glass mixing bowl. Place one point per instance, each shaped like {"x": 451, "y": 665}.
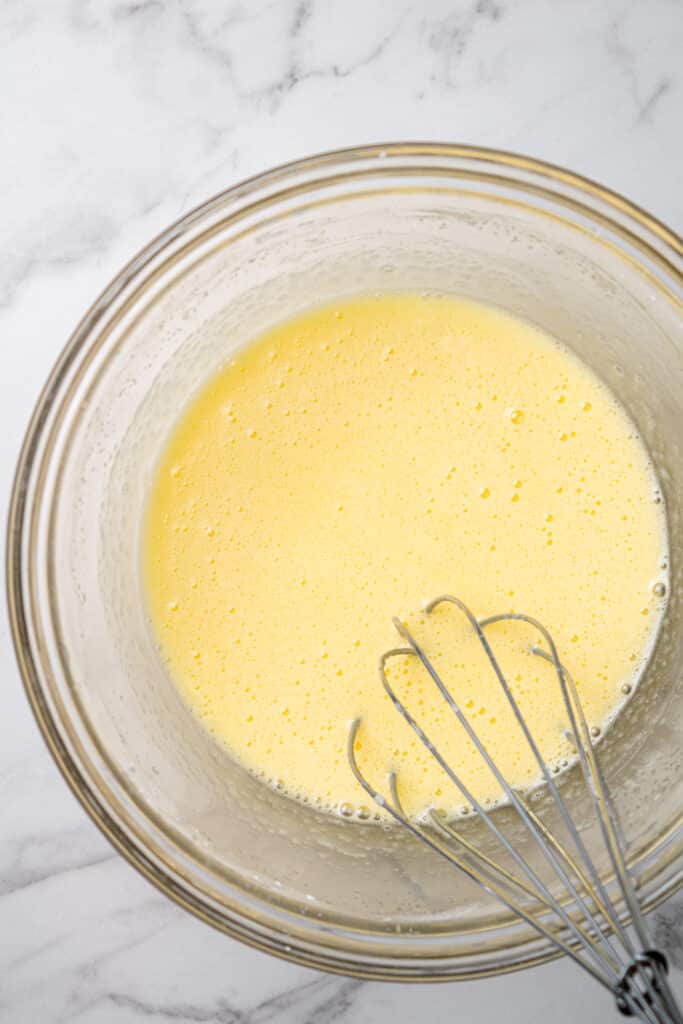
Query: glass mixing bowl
{"x": 558, "y": 250}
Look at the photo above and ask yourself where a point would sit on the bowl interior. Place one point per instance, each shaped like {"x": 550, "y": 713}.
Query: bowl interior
{"x": 236, "y": 850}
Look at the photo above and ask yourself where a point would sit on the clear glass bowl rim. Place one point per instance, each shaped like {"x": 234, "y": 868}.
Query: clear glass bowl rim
{"x": 664, "y": 249}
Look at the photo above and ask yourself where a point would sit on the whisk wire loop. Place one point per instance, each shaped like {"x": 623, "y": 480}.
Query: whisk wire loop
{"x": 489, "y": 885}
{"x": 611, "y": 964}
{"x": 636, "y": 975}
{"x": 613, "y": 922}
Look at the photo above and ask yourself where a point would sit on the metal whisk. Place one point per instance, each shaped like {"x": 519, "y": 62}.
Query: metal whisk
{"x": 587, "y": 926}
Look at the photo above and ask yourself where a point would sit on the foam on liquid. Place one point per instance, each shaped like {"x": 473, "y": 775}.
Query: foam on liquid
{"x": 351, "y": 464}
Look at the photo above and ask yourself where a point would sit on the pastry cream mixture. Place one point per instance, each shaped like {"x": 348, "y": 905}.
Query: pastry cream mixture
{"x": 351, "y": 464}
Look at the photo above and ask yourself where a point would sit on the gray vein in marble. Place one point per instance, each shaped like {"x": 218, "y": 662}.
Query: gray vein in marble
{"x": 37, "y": 259}
{"x": 449, "y": 37}
{"x": 626, "y": 57}
{"x": 647, "y": 108}
{"x": 80, "y": 240}
{"x": 33, "y": 954}
{"x": 617, "y": 48}
{"x": 321, "y": 1001}
{"x": 302, "y": 14}
{"x": 668, "y": 931}
{"x": 142, "y": 923}
{"x": 135, "y": 925}
{"x": 148, "y": 927}
{"x": 294, "y": 73}
{"x": 132, "y": 9}
{"x": 85, "y": 238}
{"x": 30, "y": 860}
{"x": 15, "y": 881}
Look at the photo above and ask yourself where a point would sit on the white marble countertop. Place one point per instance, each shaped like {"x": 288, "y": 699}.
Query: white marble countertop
{"x": 116, "y": 117}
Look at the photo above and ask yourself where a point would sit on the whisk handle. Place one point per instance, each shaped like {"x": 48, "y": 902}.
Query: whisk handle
{"x": 643, "y": 991}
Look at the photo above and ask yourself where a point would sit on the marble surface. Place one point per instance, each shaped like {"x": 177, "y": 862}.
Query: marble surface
{"x": 116, "y": 118}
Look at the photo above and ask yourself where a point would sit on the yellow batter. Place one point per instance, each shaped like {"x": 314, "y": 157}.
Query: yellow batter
{"x": 358, "y": 460}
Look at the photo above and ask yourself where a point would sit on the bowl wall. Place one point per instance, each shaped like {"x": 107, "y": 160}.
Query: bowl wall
{"x": 557, "y": 251}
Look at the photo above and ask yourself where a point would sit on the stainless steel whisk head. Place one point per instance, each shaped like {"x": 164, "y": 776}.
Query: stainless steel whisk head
{"x": 587, "y": 925}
